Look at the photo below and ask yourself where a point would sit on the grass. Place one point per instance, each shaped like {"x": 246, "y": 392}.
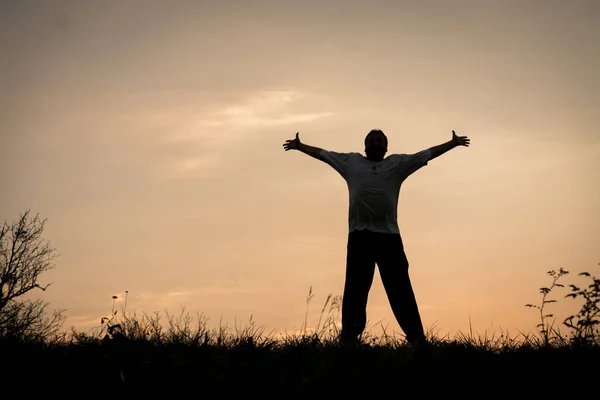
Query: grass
{"x": 149, "y": 353}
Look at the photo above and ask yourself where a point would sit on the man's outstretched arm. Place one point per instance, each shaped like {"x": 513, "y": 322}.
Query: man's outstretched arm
{"x": 440, "y": 149}
{"x": 295, "y": 144}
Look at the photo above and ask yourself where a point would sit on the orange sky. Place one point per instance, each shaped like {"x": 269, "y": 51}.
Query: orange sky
{"x": 150, "y": 133}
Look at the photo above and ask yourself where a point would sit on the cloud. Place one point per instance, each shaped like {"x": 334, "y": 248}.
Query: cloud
{"x": 191, "y": 165}
{"x": 163, "y": 300}
{"x": 85, "y": 323}
{"x": 264, "y": 109}
{"x": 170, "y": 134}
{"x": 205, "y": 133}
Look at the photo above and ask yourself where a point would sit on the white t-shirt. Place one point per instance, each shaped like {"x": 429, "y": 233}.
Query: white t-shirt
{"x": 374, "y": 186}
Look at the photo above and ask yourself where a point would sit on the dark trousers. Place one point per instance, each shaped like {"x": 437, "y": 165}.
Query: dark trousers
{"x": 365, "y": 249}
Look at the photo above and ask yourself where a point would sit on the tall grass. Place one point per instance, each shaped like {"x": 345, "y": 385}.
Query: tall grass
{"x": 134, "y": 350}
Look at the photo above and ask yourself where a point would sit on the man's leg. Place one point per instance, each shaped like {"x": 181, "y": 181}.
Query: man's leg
{"x": 360, "y": 269}
{"x": 393, "y": 269}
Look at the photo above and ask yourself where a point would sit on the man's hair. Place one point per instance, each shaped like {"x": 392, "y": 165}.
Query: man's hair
{"x": 378, "y": 132}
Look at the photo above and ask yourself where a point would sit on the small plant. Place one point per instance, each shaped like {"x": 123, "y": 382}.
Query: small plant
{"x": 111, "y": 326}
{"x": 585, "y": 325}
{"x": 329, "y": 324}
{"x": 326, "y": 325}
{"x": 546, "y": 325}
{"x": 308, "y": 299}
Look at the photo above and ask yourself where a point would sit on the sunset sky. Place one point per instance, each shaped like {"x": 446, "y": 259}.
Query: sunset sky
{"x": 149, "y": 135}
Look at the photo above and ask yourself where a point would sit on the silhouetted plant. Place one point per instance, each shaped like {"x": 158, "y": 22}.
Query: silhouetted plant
{"x": 330, "y": 323}
{"x": 24, "y": 256}
{"x": 585, "y": 323}
{"x": 308, "y": 299}
{"x": 546, "y": 325}
{"x": 327, "y": 326}
{"x": 584, "y": 326}
{"x": 110, "y": 325}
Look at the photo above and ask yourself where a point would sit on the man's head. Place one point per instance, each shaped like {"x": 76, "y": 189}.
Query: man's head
{"x": 375, "y": 145}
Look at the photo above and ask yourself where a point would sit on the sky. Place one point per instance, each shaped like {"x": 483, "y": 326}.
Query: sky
{"x": 148, "y": 134}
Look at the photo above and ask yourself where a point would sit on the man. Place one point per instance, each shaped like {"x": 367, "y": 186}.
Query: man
{"x": 374, "y": 237}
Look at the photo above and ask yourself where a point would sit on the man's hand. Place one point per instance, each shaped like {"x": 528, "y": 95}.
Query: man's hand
{"x": 293, "y": 144}
{"x": 296, "y": 144}
{"x": 460, "y": 140}
{"x": 440, "y": 149}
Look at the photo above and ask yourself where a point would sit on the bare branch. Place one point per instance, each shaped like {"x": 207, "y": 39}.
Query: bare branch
{"x": 24, "y": 256}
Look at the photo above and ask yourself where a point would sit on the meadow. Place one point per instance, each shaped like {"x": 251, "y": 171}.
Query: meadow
{"x": 150, "y": 353}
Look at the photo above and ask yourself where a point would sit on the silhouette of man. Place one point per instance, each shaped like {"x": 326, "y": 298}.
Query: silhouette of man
{"x": 374, "y": 237}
